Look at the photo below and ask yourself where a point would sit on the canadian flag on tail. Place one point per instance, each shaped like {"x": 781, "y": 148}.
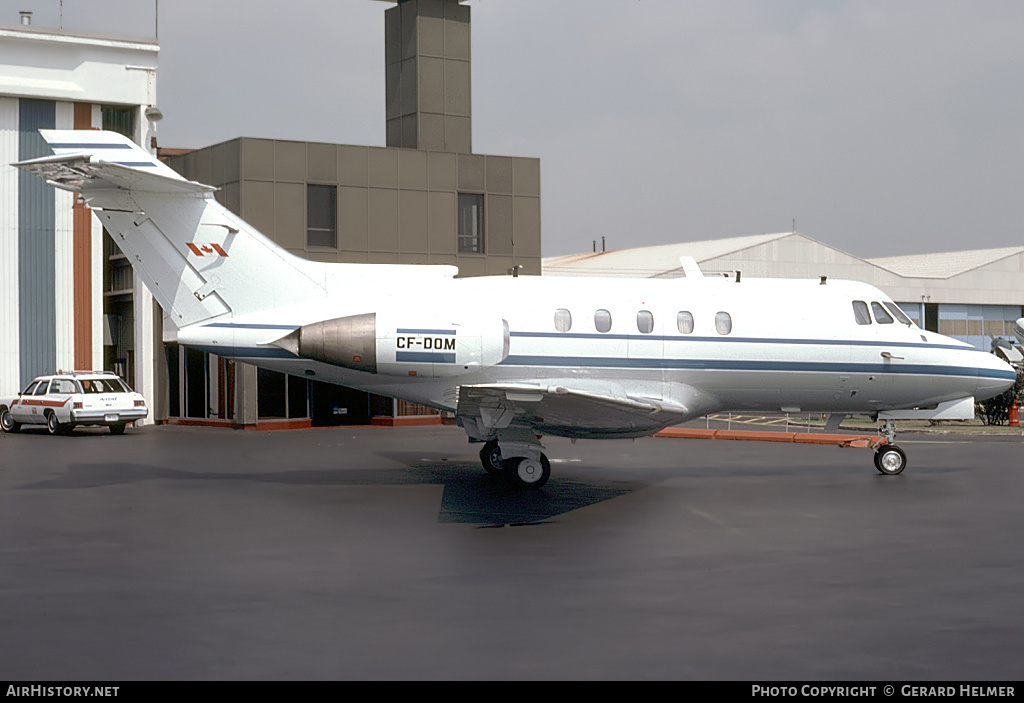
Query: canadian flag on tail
{"x": 207, "y": 249}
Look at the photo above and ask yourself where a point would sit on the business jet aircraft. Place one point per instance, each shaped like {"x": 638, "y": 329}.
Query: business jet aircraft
{"x": 516, "y": 358}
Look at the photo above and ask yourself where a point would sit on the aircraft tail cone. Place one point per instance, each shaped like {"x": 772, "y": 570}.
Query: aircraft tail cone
{"x": 290, "y": 342}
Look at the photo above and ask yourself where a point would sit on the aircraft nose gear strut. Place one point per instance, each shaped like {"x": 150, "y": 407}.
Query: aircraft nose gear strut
{"x": 890, "y": 459}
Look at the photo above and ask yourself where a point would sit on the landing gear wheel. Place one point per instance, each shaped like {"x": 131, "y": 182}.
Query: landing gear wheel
{"x": 53, "y": 425}
{"x": 890, "y": 460}
{"x": 528, "y": 473}
{"x": 7, "y": 422}
{"x": 490, "y": 457}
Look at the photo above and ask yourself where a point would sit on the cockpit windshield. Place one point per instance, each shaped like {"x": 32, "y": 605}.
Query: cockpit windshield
{"x": 881, "y": 316}
{"x": 883, "y": 312}
{"x": 860, "y": 312}
{"x": 898, "y": 314}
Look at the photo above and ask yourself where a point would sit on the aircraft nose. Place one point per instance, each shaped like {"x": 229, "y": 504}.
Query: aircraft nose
{"x": 994, "y": 377}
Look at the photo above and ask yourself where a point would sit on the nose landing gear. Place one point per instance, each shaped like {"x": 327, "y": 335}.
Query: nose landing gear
{"x": 890, "y": 459}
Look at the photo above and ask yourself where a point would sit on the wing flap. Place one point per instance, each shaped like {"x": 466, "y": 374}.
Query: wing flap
{"x": 565, "y": 411}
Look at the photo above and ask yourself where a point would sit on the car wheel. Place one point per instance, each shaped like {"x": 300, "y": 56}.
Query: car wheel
{"x": 7, "y": 422}
{"x": 118, "y": 428}
{"x": 52, "y": 423}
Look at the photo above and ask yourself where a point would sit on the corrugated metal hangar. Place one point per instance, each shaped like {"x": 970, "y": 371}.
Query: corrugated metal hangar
{"x": 972, "y": 295}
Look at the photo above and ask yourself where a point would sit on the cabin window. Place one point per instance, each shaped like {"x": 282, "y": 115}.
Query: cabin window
{"x": 860, "y": 312}
{"x": 881, "y": 316}
{"x": 684, "y": 321}
{"x": 41, "y": 388}
{"x": 645, "y": 321}
{"x": 898, "y": 314}
{"x": 563, "y": 320}
{"x": 723, "y": 322}
{"x": 603, "y": 320}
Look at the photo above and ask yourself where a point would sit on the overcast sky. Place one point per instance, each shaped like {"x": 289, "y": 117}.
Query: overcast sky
{"x": 881, "y": 127}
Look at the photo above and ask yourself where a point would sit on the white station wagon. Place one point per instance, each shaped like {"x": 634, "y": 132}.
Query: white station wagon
{"x": 72, "y": 398}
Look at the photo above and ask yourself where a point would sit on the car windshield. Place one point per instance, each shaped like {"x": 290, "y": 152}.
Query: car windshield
{"x": 103, "y": 385}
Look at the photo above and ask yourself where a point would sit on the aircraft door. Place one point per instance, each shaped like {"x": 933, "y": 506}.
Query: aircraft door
{"x": 645, "y": 350}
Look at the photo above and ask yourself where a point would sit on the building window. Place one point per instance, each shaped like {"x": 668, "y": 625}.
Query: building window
{"x": 603, "y": 320}
{"x": 321, "y": 216}
{"x": 645, "y": 321}
{"x": 118, "y": 119}
{"x": 563, "y": 320}
{"x": 471, "y": 223}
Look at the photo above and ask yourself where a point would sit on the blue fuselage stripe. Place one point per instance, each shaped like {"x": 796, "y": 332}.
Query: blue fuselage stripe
{"x": 736, "y": 340}
{"x": 89, "y": 145}
{"x": 244, "y": 352}
{"x": 244, "y": 326}
{"x": 425, "y": 357}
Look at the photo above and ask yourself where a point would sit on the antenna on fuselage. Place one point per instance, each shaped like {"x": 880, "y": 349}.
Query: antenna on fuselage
{"x": 690, "y": 267}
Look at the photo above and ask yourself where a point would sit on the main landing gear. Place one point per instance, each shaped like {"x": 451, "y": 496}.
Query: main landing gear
{"x": 531, "y": 471}
{"x": 890, "y": 459}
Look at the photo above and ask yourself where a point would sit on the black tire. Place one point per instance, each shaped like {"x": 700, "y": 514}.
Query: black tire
{"x": 527, "y": 473}
{"x": 7, "y": 422}
{"x": 890, "y": 460}
{"x": 118, "y": 428}
{"x": 53, "y": 425}
{"x": 490, "y": 457}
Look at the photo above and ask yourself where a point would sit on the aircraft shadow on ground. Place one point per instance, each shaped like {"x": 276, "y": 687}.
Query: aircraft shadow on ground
{"x": 473, "y": 496}
{"x": 470, "y": 495}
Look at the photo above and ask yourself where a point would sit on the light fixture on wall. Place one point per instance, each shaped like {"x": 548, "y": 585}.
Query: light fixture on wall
{"x": 153, "y": 114}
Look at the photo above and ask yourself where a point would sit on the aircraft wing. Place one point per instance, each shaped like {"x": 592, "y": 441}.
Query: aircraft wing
{"x": 565, "y": 411}
{"x": 82, "y": 173}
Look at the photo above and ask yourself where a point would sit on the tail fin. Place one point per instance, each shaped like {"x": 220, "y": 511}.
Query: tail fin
{"x": 198, "y": 259}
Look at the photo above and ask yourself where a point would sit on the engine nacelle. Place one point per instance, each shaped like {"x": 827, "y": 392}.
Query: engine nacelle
{"x": 403, "y": 344}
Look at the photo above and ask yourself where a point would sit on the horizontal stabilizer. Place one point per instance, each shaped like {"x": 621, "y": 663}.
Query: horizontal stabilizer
{"x": 83, "y": 173}
{"x": 199, "y": 260}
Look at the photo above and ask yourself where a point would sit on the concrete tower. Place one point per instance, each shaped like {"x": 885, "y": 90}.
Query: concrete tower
{"x": 427, "y": 67}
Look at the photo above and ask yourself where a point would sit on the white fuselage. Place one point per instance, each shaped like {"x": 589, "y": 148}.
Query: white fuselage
{"x": 792, "y": 345}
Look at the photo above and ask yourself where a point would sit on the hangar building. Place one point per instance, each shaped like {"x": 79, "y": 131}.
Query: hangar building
{"x": 66, "y": 300}
{"x": 972, "y": 295}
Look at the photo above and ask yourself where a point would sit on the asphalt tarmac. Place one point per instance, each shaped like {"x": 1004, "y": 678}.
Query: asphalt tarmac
{"x": 175, "y": 553}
